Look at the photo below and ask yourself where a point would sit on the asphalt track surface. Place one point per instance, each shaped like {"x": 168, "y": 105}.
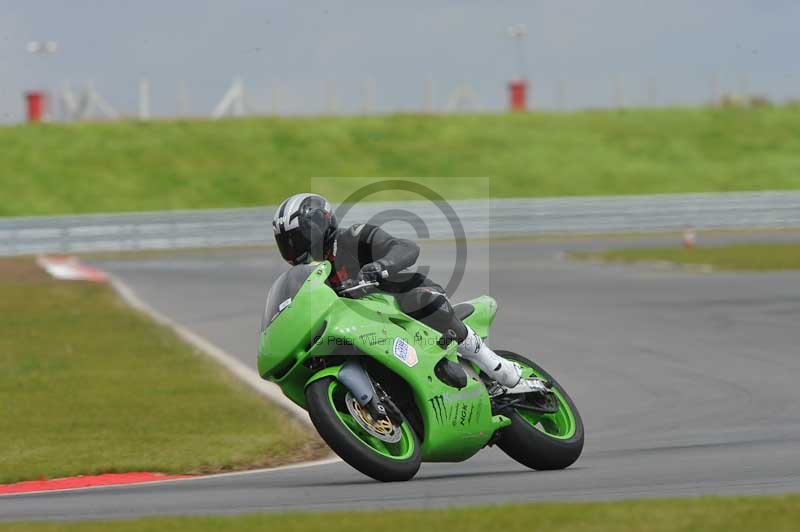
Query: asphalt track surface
{"x": 687, "y": 382}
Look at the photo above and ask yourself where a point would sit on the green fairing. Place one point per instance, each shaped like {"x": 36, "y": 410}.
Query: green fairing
{"x": 483, "y": 316}
{"x": 457, "y": 423}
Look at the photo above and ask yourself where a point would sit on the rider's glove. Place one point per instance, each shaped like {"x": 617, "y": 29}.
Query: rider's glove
{"x": 373, "y": 271}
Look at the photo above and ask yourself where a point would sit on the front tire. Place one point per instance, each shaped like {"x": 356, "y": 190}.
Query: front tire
{"x": 542, "y": 442}
{"x": 386, "y": 462}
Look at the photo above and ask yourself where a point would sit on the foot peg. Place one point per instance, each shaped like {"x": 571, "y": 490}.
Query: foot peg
{"x": 530, "y": 385}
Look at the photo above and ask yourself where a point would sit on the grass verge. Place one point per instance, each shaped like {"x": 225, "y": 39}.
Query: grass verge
{"x": 739, "y": 257}
{"x": 89, "y": 386}
{"x": 133, "y": 166}
{"x": 709, "y": 514}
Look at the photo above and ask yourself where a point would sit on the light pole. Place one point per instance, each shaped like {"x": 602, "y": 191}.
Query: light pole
{"x": 37, "y": 99}
{"x": 518, "y": 88}
{"x": 518, "y": 32}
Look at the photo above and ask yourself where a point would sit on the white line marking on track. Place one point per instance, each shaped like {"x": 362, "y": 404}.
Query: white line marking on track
{"x": 302, "y": 465}
{"x": 267, "y": 389}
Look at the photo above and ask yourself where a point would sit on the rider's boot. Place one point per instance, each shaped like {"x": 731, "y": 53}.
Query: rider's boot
{"x": 505, "y": 372}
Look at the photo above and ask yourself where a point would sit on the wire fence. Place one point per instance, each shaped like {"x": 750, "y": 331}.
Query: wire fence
{"x": 414, "y": 219}
{"x": 367, "y": 96}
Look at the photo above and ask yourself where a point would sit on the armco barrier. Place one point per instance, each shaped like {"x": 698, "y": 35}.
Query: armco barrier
{"x": 491, "y": 217}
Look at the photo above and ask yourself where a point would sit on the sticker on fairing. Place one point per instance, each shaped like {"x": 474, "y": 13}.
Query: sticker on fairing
{"x": 405, "y": 352}
{"x": 282, "y": 306}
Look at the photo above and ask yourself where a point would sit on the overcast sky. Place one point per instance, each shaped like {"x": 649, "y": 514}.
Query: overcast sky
{"x": 674, "y": 46}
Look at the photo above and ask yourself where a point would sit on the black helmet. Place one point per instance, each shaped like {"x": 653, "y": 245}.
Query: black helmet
{"x": 304, "y": 227}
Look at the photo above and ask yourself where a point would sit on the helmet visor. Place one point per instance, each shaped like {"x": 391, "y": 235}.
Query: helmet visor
{"x": 293, "y": 245}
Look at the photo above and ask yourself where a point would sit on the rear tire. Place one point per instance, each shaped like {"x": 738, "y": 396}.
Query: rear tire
{"x": 353, "y": 449}
{"x": 534, "y": 447}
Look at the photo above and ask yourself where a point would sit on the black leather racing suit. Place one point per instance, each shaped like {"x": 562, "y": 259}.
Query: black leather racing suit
{"x": 417, "y": 296}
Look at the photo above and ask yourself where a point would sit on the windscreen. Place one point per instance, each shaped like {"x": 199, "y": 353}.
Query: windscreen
{"x": 283, "y": 290}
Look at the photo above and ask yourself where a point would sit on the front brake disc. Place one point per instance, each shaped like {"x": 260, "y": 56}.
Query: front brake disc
{"x": 383, "y": 428}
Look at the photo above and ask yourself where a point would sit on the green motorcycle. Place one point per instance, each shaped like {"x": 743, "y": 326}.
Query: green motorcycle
{"x": 386, "y": 392}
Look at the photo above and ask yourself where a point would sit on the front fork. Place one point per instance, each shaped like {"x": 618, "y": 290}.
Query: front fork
{"x": 355, "y": 378}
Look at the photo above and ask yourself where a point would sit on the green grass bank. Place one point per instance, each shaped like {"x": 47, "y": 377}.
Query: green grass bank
{"x": 709, "y": 514}
{"x": 89, "y": 386}
{"x": 739, "y": 257}
{"x": 134, "y": 166}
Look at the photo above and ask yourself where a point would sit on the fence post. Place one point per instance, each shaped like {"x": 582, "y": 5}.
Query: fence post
{"x": 332, "y": 100}
{"x": 619, "y": 92}
{"x": 652, "y": 93}
{"x": 562, "y": 95}
{"x": 144, "y": 99}
{"x": 183, "y": 99}
{"x": 715, "y": 93}
{"x": 368, "y": 105}
{"x": 430, "y": 94}
{"x": 276, "y": 98}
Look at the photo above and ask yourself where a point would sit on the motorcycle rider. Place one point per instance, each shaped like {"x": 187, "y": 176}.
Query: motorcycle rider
{"x": 306, "y": 230}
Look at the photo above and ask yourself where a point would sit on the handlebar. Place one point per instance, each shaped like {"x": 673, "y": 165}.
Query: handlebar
{"x": 355, "y": 285}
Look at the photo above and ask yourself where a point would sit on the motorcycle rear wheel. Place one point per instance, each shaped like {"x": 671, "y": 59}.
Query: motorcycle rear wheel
{"x": 383, "y": 461}
{"x": 542, "y": 441}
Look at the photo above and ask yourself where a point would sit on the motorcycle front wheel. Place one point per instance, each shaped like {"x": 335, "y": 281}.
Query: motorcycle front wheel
{"x": 542, "y": 441}
{"x": 369, "y": 451}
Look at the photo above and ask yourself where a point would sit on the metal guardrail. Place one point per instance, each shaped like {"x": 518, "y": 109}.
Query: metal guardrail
{"x": 493, "y": 217}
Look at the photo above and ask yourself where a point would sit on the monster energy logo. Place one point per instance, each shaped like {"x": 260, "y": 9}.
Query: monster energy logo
{"x": 437, "y": 403}
{"x": 459, "y": 413}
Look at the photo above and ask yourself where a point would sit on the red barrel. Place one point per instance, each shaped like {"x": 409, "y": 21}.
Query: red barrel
{"x": 36, "y": 104}
{"x": 517, "y": 92}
